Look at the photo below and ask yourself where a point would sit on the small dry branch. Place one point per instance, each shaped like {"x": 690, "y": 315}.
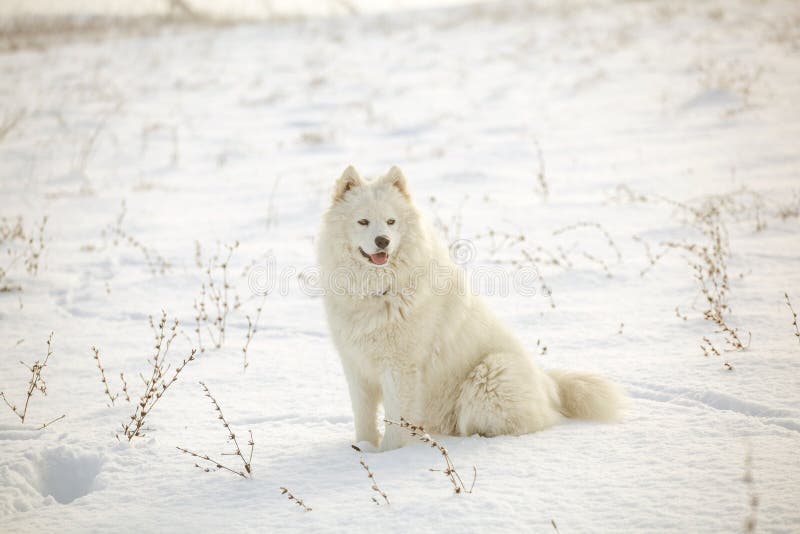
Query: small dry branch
{"x": 36, "y": 383}
{"x": 247, "y": 469}
{"x": 794, "y": 316}
{"x": 450, "y": 470}
{"x": 291, "y": 497}
{"x": 157, "y": 384}
{"x": 371, "y": 477}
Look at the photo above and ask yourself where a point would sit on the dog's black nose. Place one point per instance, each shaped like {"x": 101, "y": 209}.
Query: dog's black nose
{"x": 382, "y": 241}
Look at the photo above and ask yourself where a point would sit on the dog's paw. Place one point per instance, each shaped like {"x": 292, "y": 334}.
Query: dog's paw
{"x": 392, "y": 439}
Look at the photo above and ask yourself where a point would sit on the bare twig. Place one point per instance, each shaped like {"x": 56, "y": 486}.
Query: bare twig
{"x": 111, "y": 397}
{"x": 45, "y": 425}
{"x": 449, "y": 470}
{"x": 541, "y": 178}
{"x": 794, "y": 316}
{"x": 219, "y": 292}
{"x": 252, "y": 328}
{"x": 124, "y": 387}
{"x": 291, "y": 497}
{"x": 36, "y": 382}
{"x": 596, "y": 226}
{"x": 207, "y": 458}
{"x": 247, "y": 472}
{"x": 158, "y": 382}
{"x": 371, "y": 476}
{"x": 752, "y": 496}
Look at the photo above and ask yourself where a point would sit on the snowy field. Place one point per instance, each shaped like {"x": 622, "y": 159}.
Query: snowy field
{"x": 603, "y": 143}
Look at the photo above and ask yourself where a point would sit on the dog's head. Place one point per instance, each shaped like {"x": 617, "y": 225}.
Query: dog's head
{"x": 368, "y": 221}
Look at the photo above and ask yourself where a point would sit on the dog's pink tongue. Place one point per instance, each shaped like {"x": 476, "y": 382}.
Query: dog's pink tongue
{"x": 379, "y": 258}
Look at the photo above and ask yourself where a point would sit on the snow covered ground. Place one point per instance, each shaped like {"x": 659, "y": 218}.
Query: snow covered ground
{"x": 211, "y": 134}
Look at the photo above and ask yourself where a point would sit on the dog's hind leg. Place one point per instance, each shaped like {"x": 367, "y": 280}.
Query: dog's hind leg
{"x": 506, "y": 394}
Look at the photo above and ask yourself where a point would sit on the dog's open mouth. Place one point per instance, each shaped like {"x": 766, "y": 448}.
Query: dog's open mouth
{"x": 379, "y": 258}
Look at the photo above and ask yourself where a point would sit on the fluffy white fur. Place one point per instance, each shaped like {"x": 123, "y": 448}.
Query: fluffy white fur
{"x": 438, "y": 358}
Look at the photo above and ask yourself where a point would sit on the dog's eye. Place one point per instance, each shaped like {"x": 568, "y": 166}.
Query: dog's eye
{"x": 363, "y": 222}
{"x": 390, "y": 222}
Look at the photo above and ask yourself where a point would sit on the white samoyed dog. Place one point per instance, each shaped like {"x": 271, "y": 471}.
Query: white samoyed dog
{"x": 412, "y": 337}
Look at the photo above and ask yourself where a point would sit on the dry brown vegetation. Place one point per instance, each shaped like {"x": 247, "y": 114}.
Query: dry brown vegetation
{"x": 222, "y": 297}
{"x": 291, "y": 497}
{"x": 794, "y": 316}
{"x": 709, "y": 255}
{"x": 751, "y": 520}
{"x": 449, "y": 471}
{"x": 20, "y": 244}
{"x": 155, "y": 261}
{"x": 247, "y": 469}
{"x": 542, "y": 188}
{"x": 450, "y": 227}
{"x": 371, "y": 476}
{"x": 252, "y": 328}
{"x": 158, "y": 382}
{"x": 35, "y": 383}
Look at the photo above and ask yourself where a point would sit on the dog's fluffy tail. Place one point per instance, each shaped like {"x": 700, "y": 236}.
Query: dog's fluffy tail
{"x": 587, "y": 395}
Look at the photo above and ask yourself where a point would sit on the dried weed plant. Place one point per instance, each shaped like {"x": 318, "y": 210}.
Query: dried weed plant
{"x": 252, "y": 328}
{"x": 542, "y": 188}
{"x": 247, "y": 469}
{"x": 20, "y": 244}
{"x": 104, "y": 381}
{"x": 157, "y": 384}
{"x": 371, "y": 476}
{"x": 300, "y": 502}
{"x": 219, "y": 290}
{"x": 155, "y": 261}
{"x": 449, "y": 471}
{"x": 794, "y": 316}
{"x": 708, "y": 256}
{"x": 450, "y": 228}
{"x": 751, "y": 520}
{"x": 35, "y": 383}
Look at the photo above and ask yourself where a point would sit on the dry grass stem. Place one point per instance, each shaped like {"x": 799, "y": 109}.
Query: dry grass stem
{"x": 10, "y": 122}
{"x": 27, "y": 245}
{"x": 794, "y": 316}
{"x": 596, "y": 226}
{"x": 155, "y": 261}
{"x": 45, "y": 425}
{"x": 449, "y": 471}
{"x": 124, "y": 387}
{"x": 291, "y": 497}
{"x": 158, "y": 382}
{"x": 451, "y": 230}
{"x": 252, "y": 328}
{"x": 36, "y": 382}
{"x": 247, "y": 469}
{"x": 499, "y": 241}
{"x": 541, "y": 178}
{"x": 218, "y": 289}
{"x": 371, "y": 477}
{"x": 111, "y": 397}
{"x": 752, "y": 496}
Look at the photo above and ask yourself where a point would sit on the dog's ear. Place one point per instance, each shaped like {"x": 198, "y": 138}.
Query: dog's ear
{"x": 347, "y": 181}
{"x": 396, "y": 178}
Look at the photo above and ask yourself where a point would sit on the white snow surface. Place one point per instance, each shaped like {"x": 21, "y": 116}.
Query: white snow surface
{"x": 213, "y": 134}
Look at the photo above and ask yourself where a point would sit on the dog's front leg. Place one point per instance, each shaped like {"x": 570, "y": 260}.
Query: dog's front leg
{"x": 398, "y": 395}
{"x": 364, "y": 397}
